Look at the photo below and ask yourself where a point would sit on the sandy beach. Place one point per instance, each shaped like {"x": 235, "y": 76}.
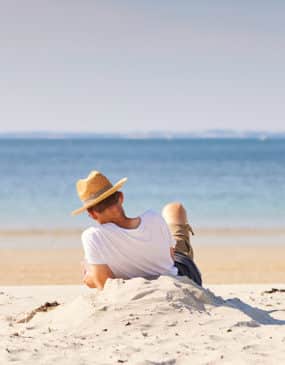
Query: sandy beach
{"x": 219, "y": 265}
{"x": 238, "y": 317}
{"x": 225, "y": 256}
{"x": 141, "y": 322}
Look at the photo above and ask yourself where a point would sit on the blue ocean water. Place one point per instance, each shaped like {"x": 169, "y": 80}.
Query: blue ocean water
{"x": 222, "y": 183}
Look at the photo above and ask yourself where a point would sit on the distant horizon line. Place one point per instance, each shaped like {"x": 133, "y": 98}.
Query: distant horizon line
{"x": 207, "y": 134}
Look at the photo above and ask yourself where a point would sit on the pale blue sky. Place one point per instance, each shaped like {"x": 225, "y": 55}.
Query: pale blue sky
{"x": 117, "y": 66}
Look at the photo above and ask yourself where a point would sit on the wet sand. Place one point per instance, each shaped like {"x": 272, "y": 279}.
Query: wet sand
{"x": 218, "y": 264}
{"x": 224, "y": 255}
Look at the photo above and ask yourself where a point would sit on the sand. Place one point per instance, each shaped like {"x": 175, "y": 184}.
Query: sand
{"x": 163, "y": 321}
{"x": 235, "y": 319}
{"x": 219, "y": 265}
{"x": 224, "y": 256}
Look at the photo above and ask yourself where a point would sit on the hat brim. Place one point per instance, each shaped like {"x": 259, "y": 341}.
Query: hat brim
{"x": 103, "y": 196}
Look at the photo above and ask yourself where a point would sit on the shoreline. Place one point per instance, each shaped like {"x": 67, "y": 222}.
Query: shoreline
{"x": 71, "y": 238}
{"x": 205, "y": 230}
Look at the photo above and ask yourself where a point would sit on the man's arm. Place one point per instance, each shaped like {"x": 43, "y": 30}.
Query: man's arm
{"x": 97, "y": 276}
{"x": 172, "y": 252}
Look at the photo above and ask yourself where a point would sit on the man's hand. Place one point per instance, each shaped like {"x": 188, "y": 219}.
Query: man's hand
{"x": 97, "y": 276}
{"x": 87, "y": 280}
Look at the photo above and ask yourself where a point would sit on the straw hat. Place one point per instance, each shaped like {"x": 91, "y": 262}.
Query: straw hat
{"x": 95, "y": 188}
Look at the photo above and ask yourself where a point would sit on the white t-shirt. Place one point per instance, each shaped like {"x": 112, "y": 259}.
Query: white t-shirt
{"x": 143, "y": 251}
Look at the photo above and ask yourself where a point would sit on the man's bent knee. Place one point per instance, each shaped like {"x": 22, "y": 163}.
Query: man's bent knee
{"x": 175, "y": 213}
{"x": 175, "y": 216}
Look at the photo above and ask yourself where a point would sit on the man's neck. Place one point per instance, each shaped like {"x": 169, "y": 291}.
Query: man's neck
{"x": 127, "y": 223}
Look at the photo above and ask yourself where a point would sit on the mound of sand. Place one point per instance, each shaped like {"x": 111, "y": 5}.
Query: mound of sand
{"x": 165, "y": 321}
{"x": 163, "y": 295}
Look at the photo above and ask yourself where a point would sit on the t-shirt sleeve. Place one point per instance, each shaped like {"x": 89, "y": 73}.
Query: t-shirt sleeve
{"x": 166, "y": 232}
{"x": 91, "y": 248}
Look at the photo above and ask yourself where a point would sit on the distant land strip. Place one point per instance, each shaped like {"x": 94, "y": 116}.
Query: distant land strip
{"x": 207, "y": 134}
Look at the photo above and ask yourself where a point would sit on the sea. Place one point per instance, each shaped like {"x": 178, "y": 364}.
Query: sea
{"x": 223, "y": 183}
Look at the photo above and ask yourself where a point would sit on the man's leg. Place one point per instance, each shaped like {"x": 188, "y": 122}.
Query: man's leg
{"x": 175, "y": 216}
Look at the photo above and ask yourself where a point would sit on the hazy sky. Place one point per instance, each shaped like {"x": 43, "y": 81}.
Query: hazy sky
{"x": 143, "y": 65}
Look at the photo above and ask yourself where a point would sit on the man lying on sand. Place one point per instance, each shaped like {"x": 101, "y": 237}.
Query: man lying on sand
{"x": 121, "y": 247}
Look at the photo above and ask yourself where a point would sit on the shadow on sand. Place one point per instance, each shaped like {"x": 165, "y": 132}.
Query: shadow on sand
{"x": 259, "y": 316}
